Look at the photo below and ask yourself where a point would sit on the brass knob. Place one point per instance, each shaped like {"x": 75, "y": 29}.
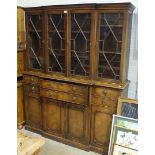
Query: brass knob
{"x": 32, "y": 79}
{"x": 74, "y": 98}
{"x": 33, "y": 88}
{"x": 106, "y": 106}
{"x": 50, "y": 93}
{"x": 74, "y": 88}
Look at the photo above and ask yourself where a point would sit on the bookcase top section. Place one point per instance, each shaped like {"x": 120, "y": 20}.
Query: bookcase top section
{"x": 126, "y": 5}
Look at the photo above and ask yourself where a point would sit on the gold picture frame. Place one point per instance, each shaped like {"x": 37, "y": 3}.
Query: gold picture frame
{"x": 131, "y": 107}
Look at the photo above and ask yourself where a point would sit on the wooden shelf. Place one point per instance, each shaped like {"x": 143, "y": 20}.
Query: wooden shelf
{"x": 110, "y": 52}
{"x": 121, "y": 26}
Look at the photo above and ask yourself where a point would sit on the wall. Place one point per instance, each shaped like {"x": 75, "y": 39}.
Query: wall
{"x": 133, "y": 60}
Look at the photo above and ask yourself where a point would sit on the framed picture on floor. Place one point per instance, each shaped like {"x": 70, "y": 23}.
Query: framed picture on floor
{"x": 128, "y": 107}
{"x": 126, "y": 137}
{"x": 119, "y": 150}
{"x": 124, "y": 132}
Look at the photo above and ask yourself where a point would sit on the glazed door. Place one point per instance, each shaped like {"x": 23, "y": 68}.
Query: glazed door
{"x": 56, "y": 47}
{"x": 33, "y": 112}
{"x": 80, "y": 40}
{"x": 53, "y": 117}
{"x": 110, "y": 34}
{"x": 100, "y": 127}
{"x": 77, "y": 123}
{"x": 34, "y": 41}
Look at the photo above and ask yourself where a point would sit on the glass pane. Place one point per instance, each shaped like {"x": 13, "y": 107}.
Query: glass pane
{"x": 34, "y": 43}
{"x": 56, "y": 43}
{"x": 80, "y": 44}
{"x": 110, "y": 42}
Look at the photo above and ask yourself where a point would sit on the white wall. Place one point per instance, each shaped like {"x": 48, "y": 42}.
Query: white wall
{"x": 133, "y": 60}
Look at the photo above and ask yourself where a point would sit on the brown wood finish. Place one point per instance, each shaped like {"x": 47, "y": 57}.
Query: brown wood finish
{"x": 76, "y": 109}
{"x": 77, "y": 123}
{"x": 20, "y": 106}
{"x": 101, "y": 119}
{"x": 53, "y": 116}
{"x": 20, "y": 62}
{"x": 33, "y": 112}
{"x": 20, "y": 26}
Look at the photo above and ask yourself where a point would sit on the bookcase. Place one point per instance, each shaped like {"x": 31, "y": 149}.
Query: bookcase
{"x": 76, "y": 66}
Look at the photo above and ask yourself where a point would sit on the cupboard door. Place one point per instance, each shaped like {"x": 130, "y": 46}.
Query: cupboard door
{"x": 33, "y": 112}
{"x": 100, "y": 127}
{"x": 110, "y": 44}
{"x": 77, "y": 123}
{"x": 80, "y": 43}
{"x": 35, "y": 41}
{"x": 53, "y": 117}
{"x": 56, "y": 42}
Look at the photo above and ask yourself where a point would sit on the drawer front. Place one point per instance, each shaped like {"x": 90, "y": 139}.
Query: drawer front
{"x": 111, "y": 94}
{"x": 31, "y": 79}
{"x": 49, "y": 93}
{"x": 104, "y": 109}
{"x": 64, "y": 87}
{"x": 31, "y": 90}
{"x": 104, "y": 102}
{"x": 79, "y": 99}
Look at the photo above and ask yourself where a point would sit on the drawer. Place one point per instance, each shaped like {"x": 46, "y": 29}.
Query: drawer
{"x": 103, "y": 109}
{"x": 63, "y": 96}
{"x": 106, "y": 92}
{"x": 64, "y": 87}
{"x": 49, "y": 93}
{"x": 31, "y": 79}
{"x": 31, "y": 90}
{"x": 104, "y": 102}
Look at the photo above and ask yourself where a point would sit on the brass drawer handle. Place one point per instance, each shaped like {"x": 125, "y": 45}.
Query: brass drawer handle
{"x": 33, "y": 88}
{"x": 32, "y": 79}
{"x": 74, "y": 98}
{"x": 106, "y": 106}
{"x": 49, "y": 93}
{"x": 74, "y": 88}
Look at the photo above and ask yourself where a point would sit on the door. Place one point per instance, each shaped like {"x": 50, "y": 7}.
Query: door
{"x": 33, "y": 112}
{"x": 56, "y": 30}
{"x": 34, "y": 41}
{"x": 110, "y": 41}
{"x": 100, "y": 127}
{"x": 80, "y": 40}
{"x": 77, "y": 123}
{"x": 53, "y": 117}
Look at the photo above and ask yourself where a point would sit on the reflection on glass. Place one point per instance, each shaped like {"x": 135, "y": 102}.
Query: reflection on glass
{"x": 56, "y": 43}
{"x": 110, "y": 42}
{"x": 35, "y": 47}
{"x": 80, "y": 44}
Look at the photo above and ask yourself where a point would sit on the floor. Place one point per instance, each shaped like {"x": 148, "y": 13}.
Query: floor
{"x": 55, "y": 148}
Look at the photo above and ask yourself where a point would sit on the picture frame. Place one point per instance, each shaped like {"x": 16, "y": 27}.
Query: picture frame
{"x": 127, "y": 107}
{"x": 126, "y": 125}
{"x": 119, "y": 150}
{"x": 126, "y": 137}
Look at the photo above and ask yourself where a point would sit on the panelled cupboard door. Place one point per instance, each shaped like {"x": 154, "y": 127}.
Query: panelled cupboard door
{"x": 56, "y": 42}
{"x": 53, "y": 117}
{"x": 33, "y": 112}
{"x": 100, "y": 127}
{"x": 80, "y": 40}
{"x": 110, "y": 40}
{"x": 34, "y": 41}
{"x": 77, "y": 123}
